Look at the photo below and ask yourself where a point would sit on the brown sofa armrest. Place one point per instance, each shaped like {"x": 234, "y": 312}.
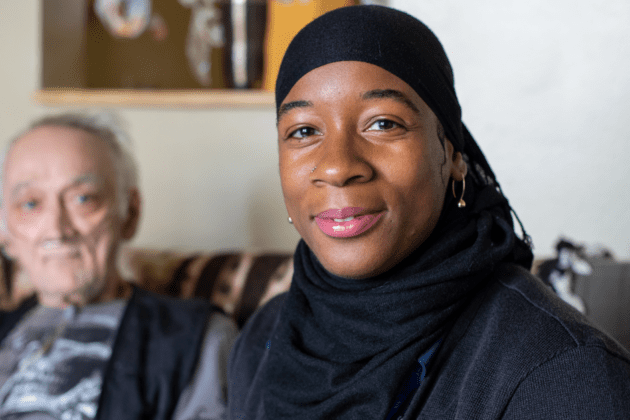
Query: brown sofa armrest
{"x": 237, "y": 282}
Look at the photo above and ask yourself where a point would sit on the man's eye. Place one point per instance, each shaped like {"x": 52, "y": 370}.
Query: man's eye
{"x": 382, "y": 125}
{"x": 303, "y": 132}
{"x": 29, "y": 205}
{"x": 84, "y": 198}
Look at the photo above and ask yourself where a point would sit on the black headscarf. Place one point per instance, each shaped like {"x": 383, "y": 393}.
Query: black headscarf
{"x": 343, "y": 347}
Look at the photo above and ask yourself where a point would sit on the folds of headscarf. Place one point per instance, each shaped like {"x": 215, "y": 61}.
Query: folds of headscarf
{"x": 342, "y": 347}
{"x": 385, "y": 37}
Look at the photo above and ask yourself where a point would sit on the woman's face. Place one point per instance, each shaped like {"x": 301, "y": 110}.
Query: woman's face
{"x": 363, "y": 171}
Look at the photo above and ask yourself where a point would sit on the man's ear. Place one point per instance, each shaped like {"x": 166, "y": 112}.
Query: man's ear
{"x": 5, "y": 241}
{"x": 130, "y": 225}
{"x": 459, "y": 168}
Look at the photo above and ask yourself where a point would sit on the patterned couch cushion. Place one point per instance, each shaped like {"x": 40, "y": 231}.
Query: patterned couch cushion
{"x": 237, "y": 282}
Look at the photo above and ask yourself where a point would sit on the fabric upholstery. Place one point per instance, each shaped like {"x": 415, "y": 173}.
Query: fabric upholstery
{"x": 237, "y": 282}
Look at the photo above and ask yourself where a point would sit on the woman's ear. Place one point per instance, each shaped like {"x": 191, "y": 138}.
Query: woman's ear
{"x": 459, "y": 168}
{"x": 130, "y": 225}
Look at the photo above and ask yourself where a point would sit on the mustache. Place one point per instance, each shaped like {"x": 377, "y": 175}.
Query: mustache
{"x": 64, "y": 252}
{"x": 74, "y": 242}
{"x": 55, "y": 246}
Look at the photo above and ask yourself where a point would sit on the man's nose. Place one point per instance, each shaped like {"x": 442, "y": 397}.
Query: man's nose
{"x": 60, "y": 223}
{"x": 344, "y": 159}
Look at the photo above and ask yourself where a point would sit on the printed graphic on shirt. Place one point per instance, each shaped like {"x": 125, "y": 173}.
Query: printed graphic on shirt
{"x": 59, "y": 379}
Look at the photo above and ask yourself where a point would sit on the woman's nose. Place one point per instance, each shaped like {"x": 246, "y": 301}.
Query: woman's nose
{"x": 343, "y": 160}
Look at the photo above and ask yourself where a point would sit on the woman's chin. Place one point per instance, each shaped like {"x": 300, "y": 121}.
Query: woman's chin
{"x": 361, "y": 260}
{"x": 356, "y": 266}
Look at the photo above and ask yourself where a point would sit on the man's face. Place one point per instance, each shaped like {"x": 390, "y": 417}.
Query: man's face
{"x": 62, "y": 218}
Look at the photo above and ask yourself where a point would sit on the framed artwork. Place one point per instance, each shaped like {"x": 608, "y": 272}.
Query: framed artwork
{"x": 168, "y": 52}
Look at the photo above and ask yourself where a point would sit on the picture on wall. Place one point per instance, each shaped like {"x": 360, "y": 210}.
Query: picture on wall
{"x": 170, "y": 44}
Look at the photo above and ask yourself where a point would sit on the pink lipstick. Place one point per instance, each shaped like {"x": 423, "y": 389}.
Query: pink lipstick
{"x": 347, "y": 222}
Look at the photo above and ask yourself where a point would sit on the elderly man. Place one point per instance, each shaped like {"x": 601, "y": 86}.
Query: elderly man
{"x": 91, "y": 345}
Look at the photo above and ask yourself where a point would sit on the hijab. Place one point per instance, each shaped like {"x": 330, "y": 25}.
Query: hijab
{"x": 343, "y": 347}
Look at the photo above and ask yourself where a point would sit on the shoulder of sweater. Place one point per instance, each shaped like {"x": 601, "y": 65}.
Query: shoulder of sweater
{"x": 256, "y": 332}
{"x": 585, "y": 382}
{"x": 517, "y": 324}
{"x": 514, "y": 331}
{"x": 519, "y": 304}
{"x": 249, "y": 352}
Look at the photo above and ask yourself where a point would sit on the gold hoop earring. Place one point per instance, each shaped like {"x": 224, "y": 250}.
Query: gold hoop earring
{"x": 461, "y": 203}
{"x": 290, "y": 220}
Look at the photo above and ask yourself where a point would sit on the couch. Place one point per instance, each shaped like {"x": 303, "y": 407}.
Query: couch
{"x": 237, "y": 282}
{"x": 240, "y": 282}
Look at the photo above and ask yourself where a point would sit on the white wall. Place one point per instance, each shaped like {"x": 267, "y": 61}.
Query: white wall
{"x": 544, "y": 90}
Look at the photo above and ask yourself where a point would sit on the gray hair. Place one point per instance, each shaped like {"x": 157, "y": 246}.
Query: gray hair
{"x": 107, "y": 127}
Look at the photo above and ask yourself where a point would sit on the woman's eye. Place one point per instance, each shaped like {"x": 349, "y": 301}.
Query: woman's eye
{"x": 303, "y": 132}
{"x": 382, "y": 125}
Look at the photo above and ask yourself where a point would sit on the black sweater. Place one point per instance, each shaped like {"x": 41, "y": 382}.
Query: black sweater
{"x": 516, "y": 352}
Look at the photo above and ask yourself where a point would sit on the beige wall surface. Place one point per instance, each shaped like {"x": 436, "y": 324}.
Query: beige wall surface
{"x": 544, "y": 90}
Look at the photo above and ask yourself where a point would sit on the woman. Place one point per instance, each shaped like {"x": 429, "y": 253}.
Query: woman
{"x": 409, "y": 271}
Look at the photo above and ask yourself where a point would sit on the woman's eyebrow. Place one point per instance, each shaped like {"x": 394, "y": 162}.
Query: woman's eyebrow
{"x": 284, "y": 108}
{"x": 392, "y": 94}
